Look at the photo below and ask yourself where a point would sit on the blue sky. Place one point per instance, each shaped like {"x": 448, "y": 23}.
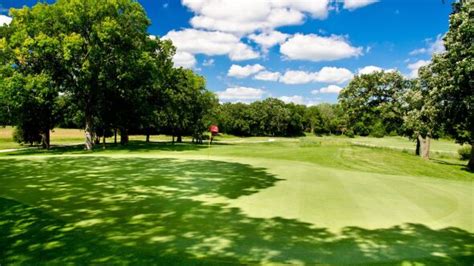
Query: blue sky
{"x": 298, "y": 50}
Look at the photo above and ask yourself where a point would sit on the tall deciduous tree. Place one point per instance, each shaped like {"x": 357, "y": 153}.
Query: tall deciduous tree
{"x": 421, "y": 112}
{"x": 89, "y": 48}
{"x": 29, "y": 55}
{"x": 453, "y": 72}
{"x": 372, "y": 103}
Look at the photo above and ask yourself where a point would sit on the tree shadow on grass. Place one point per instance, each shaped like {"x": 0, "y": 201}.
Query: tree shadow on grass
{"x": 93, "y": 210}
{"x": 133, "y": 146}
{"x": 461, "y": 166}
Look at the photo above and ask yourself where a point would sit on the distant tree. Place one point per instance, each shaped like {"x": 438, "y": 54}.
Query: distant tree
{"x": 276, "y": 116}
{"x": 313, "y": 120}
{"x": 185, "y": 102}
{"x": 372, "y": 103}
{"x": 296, "y": 123}
{"x": 270, "y": 117}
{"x": 236, "y": 119}
{"x": 203, "y": 112}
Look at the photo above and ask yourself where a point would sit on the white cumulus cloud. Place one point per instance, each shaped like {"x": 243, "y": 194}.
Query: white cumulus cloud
{"x": 415, "y": 66}
{"x": 296, "y": 99}
{"x": 268, "y": 39}
{"x": 244, "y": 71}
{"x": 372, "y": 69}
{"x": 315, "y": 48}
{"x": 5, "y": 20}
{"x": 267, "y": 76}
{"x": 369, "y": 70}
{"x": 211, "y": 43}
{"x": 325, "y": 75}
{"x": 184, "y": 59}
{"x": 329, "y": 89}
{"x": 247, "y": 16}
{"x": 333, "y": 74}
{"x": 297, "y": 77}
{"x": 240, "y": 94}
{"x": 354, "y": 4}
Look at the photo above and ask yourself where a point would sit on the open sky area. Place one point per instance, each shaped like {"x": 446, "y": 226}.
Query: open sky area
{"x": 298, "y": 51}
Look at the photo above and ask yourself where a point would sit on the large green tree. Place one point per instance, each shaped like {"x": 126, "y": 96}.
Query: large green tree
{"x": 453, "y": 72}
{"x": 29, "y": 88}
{"x": 372, "y": 103}
{"x": 421, "y": 112}
{"x": 91, "y": 49}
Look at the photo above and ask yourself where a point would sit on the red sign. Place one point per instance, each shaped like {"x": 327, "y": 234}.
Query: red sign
{"x": 214, "y": 129}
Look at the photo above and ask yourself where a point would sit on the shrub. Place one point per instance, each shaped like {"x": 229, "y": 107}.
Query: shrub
{"x": 349, "y": 133}
{"x": 26, "y": 135}
{"x": 465, "y": 152}
{"x": 361, "y": 129}
{"x": 377, "y": 130}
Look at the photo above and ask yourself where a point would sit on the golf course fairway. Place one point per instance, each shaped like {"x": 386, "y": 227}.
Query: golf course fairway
{"x": 192, "y": 206}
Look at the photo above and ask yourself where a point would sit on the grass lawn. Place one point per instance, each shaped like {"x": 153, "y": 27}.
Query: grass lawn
{"x": 253, "y": 201}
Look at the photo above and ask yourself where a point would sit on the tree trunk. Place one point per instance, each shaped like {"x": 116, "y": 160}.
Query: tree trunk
{"x": 124, "y": 136}
{"x": 103, "y": 139}
{"x": 470, "y": 164}
{"x": 425, "y": 147}
{"x": 45, "y": 139}
{"x": 115, "y": 136}
{"x": 147, "y": 137}
{"x": 89, "y": 134}
{"x": 172, "y": 139}
{"x": 179, "y": 139}
{"x": 417, "y": 151}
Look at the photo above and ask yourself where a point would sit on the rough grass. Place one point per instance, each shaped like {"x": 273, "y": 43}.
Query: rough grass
{"x": 252, "y": 201}
{"x": 439, "y": 147}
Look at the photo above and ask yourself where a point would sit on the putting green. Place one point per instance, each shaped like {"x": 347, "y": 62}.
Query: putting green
{"x": 335, "y": 199}
{"x": 193, "y": 209}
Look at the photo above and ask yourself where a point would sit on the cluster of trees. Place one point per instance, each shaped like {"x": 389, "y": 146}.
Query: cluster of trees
{"x": 273, "y": 117}
{"x": 437, "y": 103}
{"x": 92, "y": 64}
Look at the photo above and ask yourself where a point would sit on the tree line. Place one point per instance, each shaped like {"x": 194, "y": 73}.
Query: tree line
{"x": 273, "y": 117}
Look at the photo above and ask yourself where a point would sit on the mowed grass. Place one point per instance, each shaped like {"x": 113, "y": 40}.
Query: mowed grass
{"x": 242, "y": 201}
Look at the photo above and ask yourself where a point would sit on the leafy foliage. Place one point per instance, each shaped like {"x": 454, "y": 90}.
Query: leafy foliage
{"x": 372, "y": 103}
